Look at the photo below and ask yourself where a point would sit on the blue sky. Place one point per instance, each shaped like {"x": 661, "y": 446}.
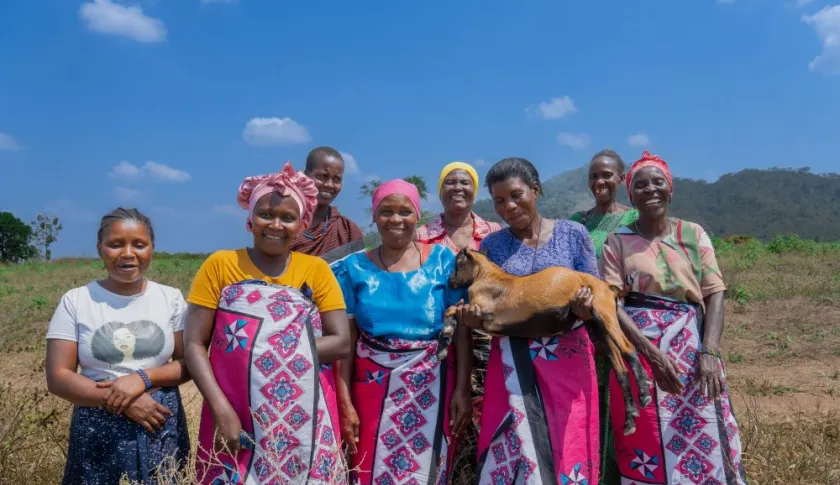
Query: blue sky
{"x": 166, "y": 105}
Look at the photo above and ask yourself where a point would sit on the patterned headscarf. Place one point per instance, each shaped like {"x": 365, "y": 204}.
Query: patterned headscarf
{"x": 397, "y": 186}
{"x": 648, "y": 160}
{"x": 288, "y": 183}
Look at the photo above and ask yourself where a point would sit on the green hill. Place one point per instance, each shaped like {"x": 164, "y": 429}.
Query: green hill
{"x": 759, "y": 203}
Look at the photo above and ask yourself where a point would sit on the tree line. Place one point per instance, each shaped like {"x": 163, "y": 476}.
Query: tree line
{"x": 21, "y": 242}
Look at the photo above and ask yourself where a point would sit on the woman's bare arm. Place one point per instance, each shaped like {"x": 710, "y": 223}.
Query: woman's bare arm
{"x": 64, "y": 381}
{"x": 198, "y": 330}
{"x": 334, "y": 345}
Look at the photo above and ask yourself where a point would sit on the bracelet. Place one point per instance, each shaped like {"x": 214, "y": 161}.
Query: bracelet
{"x": 145, "y": 377}
{"x": 713, "y": 354}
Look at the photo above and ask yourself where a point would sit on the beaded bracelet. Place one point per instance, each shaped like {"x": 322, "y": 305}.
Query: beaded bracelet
{"x": 713, "y": 354}
{"x": 145, "y": 377}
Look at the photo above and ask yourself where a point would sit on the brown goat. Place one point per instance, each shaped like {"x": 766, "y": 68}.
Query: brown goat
{"x": 537, "y": 306}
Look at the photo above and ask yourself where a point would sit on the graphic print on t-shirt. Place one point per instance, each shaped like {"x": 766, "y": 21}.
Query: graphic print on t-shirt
{"x": 118, "y": 342}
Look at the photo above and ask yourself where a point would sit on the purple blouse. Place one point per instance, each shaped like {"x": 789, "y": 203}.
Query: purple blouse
{"x": 569, "y": 246}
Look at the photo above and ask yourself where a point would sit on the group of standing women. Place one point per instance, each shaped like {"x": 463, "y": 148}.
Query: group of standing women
{"x": 300, "y": 360}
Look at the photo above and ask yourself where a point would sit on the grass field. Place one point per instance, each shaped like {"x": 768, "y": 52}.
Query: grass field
{"x": 781, "y": 345}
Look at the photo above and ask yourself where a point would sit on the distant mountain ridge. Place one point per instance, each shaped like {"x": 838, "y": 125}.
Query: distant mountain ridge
{"x": 758, "y": 203}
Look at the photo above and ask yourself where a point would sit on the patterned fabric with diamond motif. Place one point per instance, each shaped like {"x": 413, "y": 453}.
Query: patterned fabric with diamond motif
{"x": 262, "y": 354}
{"x": 401, "y": 391}
{"x": 685, "y": 439}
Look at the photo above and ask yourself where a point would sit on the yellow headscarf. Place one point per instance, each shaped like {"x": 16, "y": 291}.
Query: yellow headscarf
{"x": 451, "y": 167}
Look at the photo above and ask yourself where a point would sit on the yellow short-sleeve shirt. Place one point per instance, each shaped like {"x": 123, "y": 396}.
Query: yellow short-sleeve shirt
{"x": 226, "y": 267}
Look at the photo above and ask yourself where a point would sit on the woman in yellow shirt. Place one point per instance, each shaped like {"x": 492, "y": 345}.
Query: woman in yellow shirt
{"x": 269, "y": 317}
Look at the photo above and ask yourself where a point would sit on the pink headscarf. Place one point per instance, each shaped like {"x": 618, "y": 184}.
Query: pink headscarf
{"x": 648, "y": 160}
{"x": 288, "y": 183}
{"x": 400, "y": 187}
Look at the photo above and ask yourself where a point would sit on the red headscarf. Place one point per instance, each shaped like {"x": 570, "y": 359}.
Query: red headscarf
{"x": 648, "y": 160}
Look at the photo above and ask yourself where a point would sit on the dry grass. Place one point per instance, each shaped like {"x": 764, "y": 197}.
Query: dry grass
{"x": 781, "y": 346}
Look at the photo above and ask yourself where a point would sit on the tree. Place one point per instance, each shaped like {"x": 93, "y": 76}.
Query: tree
{"x": 15, "y": 239}
{"x": 45, "y": 232}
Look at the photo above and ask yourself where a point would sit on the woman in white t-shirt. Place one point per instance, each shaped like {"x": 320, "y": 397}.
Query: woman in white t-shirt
{"x": 125, "y": 334}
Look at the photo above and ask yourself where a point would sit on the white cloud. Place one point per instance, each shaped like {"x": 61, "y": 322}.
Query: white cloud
{"x": 228, "y": 210}
{"x": 575, "y": 141}
{"x": 827, "y": 24}
{"x": 129, "y": 171}
{"x": 9, "y": 144}
{"x": 554, "y": 109}
{"x": 275, "y": 131}
{"x": 127, "y": 196}
{"x": 106, "y": 17}
{"x": 351, "y": 166}
{"x": 125, "y": 170}
{"x": 638, "y": 140}
{"x": 164, "y": 172}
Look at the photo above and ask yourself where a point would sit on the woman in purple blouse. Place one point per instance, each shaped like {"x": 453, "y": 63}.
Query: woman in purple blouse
{"x": 540, "y": 412}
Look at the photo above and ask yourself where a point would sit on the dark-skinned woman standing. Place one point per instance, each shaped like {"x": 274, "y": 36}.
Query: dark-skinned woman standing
{"x": 540, "y": 411}
{"x": 606, "y": 178}
{"x": 400, "y": 405}
{"x": 125, "y": 335}
{"x": 673, "y": 292}
{"x": 269, "y": 316}
{"x": 456, "y": 228}
{"x": 330, "y": 232}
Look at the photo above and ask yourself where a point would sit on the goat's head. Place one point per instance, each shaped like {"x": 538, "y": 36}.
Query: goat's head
{"x": 467, "y": 266}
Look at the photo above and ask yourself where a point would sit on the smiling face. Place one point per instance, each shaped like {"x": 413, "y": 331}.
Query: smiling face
{"x": 126, "y": 249}
{"x": 515, "y": 202}
{"x": 457, "y": 192}
{"x": 275, "y": 222}
{"x": 396, "y": 221}
{"x": 605, "y": 176}
{"x": 650, "y": 193}
{"x": 328, "y": 174}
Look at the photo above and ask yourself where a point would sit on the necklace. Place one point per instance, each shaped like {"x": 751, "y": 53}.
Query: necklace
{"x": 382, "y": 261}
{"x": 323, "y": 230}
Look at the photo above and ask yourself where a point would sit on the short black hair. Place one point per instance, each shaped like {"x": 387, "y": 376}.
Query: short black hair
{"x": 313, "y": 157}
{"x": 513, "y": 167}
{"x": 612, "y": 154}
{"x": 122, "y": 214}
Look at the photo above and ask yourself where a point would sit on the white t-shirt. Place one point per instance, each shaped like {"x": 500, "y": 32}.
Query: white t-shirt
{"x": 118, "y": 334}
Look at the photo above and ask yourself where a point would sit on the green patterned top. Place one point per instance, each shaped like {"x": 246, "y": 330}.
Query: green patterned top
{"x": 600, "y": 225}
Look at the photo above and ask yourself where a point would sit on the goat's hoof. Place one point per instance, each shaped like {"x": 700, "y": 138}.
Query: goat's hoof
{"x": 629, "y": 428}
{"x": 645, "y": 400}
{"x": 442, "y": 353}
{"x": 447, "y": 331}
{"x": 633, "y": 411}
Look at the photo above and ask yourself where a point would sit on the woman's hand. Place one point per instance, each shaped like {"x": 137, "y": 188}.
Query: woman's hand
{"x": 228, "y": 430}
{"x": 349, "y": 426}
{"x": 711, "y": 381}
{"x": 582, "y": 304}
{"x": 460, "y": 411}
{"x": 665, "y": 371}
{"x": 147, "y": 412}
{"x": 468, "y": 315}
{"x": 122, "y": 392}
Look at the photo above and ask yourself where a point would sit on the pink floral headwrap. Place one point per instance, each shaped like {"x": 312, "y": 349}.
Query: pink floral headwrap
{"x": 287, "y": 182}
{"x": 648, "y": 160}
{"x": 397, "y": 186}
